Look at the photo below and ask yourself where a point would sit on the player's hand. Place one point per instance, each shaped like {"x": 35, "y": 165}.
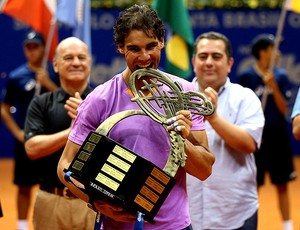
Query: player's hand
{"x": 42, "y": 76}
{"x": 113, "y": 211}
{"x": 269, "y": 79}
{"x": 181, "y": 123}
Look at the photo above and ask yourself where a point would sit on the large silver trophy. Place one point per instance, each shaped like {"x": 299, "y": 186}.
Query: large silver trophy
{"x": 108, "y": 170}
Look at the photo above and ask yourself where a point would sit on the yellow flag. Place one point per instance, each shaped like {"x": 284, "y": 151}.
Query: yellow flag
{"x": 177, "y": 52}
{"x": 180, "y": 37}
{"x": 293, "y": 5}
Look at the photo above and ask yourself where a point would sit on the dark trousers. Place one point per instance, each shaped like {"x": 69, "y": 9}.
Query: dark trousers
{"x": 250, "y": 224}
{"x": 188, "y": 228}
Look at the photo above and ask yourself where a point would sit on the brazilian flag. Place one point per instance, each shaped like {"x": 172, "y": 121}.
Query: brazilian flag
{"x": 179, "y": 39}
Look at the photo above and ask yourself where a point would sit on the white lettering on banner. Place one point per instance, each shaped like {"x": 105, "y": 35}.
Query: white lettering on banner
{"x": 294, "y": 20}
{"x": 240, "y": 19}
{"x": 288, "y": 62}
{"x": 235, "y": 19}
{"x": 104, "y": 21}
{"x": 18, "y": 25}
{"x": 245, "y": 63}
{"x": 244, "y": 49}
{"x": 101, "y": 73}
{"x": 204, "y": 20}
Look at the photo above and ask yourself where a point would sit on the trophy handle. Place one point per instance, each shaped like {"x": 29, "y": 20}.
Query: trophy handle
{"x": 161, "y": 104}
{"x": 110, "y": 122}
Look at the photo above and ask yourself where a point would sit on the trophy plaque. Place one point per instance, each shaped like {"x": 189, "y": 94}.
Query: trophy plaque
{"x": 110, "y": 171}
{"x": 104, "y": 169}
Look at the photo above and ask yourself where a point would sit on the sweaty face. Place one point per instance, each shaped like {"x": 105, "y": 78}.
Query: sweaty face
{"x": 73, "y": 62}
{"x": 211, "y": 65}
{"x": 141, "y": 51}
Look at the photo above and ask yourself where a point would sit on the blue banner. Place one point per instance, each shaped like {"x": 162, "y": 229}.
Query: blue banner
{"x": 240, "y": 26}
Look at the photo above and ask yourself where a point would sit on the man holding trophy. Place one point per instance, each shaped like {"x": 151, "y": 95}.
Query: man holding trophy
{"x": 139, "y": 36}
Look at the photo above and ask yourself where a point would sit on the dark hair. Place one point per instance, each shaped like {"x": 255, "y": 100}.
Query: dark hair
{"x": 261, "y": 42}
{"x": 138, "y": 17}
{"x": 214, "y": 36}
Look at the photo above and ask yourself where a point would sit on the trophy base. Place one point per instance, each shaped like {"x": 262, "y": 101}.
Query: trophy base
{"x": 109, "y": 171}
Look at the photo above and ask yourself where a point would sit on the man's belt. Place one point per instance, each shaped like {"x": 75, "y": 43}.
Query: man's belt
{"x": 64, "y": 192}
